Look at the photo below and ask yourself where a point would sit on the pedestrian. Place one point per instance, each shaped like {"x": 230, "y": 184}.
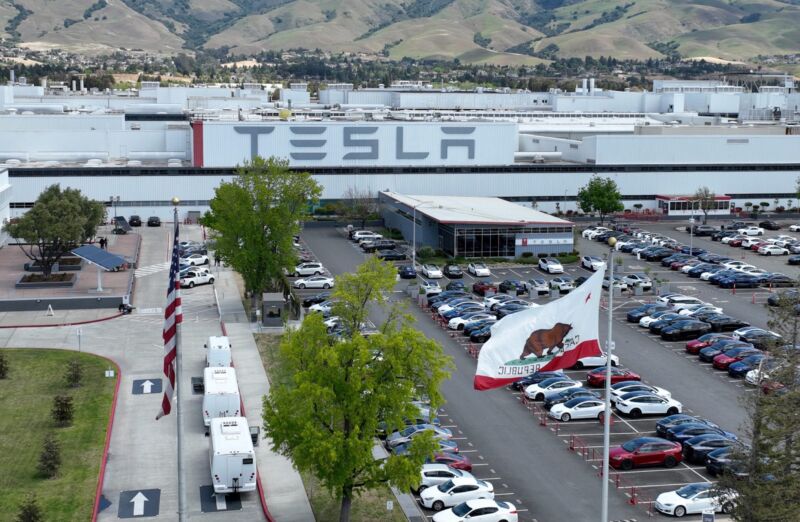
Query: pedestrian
{"x": 102, "y": 243}
{"x": 216, "y": 259}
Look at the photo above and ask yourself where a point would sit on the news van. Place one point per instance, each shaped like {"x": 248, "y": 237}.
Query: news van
{"x": 218, "y": 351}
{"x": 233, "y": 459}
{"x": 221, "y": 398}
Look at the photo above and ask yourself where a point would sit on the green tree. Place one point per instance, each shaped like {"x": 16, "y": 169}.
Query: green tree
{"x": 73, "y": 374}
{"x": 29, "y": 510}
{"x": 4, "y": 366}
{"x": 59, "y": 221}
{"x": 767, "y": 468}
{"x": 325, "y": 416}
{"x": 358, "y": 205}
{"x": 705, "y": 201}
{"x": 600, "y": 195}
{"x": 254, "y": 218}
{"x": 50, "y": 457}
{"x": 63, "y": 410}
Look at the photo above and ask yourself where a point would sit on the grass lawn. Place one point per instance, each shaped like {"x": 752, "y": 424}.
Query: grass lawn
{"x": 35, "y": 377}
{"x": 370, "y": 505}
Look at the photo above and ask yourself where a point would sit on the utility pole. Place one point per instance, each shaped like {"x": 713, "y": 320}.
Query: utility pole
{"x": 607, "y": 414}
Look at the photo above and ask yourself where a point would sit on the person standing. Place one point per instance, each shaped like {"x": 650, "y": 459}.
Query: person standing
{"x": 216, "y": 259}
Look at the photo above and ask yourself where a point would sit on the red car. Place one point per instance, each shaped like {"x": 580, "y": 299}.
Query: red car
{"x": 597, "y": 377}
{"x": 725, "y": 359}
{"x": 481, "y": 287}
{"x": 694, "y": 346}
{"x": 735, "y": 242}
{"x": 646, "y": 451}
{"x": 453, "y": 460}
{"x": 758, "y": 245}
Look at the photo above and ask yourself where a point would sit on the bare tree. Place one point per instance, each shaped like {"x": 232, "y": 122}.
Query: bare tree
{"x": 358, "y": 205}
{"x": 706, "y": 200}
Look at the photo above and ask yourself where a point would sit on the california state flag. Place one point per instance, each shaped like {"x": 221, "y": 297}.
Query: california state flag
{"x": 548, "y": 337}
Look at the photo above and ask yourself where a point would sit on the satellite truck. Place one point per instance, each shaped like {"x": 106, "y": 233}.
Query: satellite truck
{"x": 233, "y": 460}
{"x": 221, "y": 394}
{"x": 219, "y": 351}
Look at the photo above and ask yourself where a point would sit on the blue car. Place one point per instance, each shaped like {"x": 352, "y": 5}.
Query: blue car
{"x": 740, "y": 281}
{"x": 669, "y": 422}
{"x": 407, "y": 272}
{"x": 698, "y": 270}
{"x": 708, "y": 353}
{"x": 740, "y": 368}
{"x": 693, "y": 251}
{"x": 722, "y": 274}
{"x": 482, "y": 335}
{"x": 684, "y": 432}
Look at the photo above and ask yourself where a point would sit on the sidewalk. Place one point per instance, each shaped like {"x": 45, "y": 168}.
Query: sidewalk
{"x": 286, "y": 497}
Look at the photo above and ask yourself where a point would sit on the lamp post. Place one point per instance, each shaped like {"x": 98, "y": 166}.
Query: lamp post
{"x": 114, "y": 200}
{"x": 607, "y": 410}
{"x": 178, "y": 394}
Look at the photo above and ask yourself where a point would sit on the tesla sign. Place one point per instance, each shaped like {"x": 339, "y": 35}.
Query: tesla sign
{"x": 348, "y": 144}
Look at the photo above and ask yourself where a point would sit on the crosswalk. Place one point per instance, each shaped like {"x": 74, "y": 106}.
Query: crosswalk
{"x": 150, "y": 270}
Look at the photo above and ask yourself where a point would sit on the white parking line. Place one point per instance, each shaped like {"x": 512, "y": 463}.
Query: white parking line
{"x": 677, "y": 484}
{"x": 597, "y": 434}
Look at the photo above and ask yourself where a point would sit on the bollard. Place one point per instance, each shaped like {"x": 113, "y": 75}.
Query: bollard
{"x": 572, "y": 442}
{"x": 733, "y": 290}
{"x": 754, "y": 298}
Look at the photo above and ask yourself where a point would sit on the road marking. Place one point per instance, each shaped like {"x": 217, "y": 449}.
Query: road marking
{"x": 150, "y": 270}
{"x": 597, "y": 434}
{"x": 677, "y": 484}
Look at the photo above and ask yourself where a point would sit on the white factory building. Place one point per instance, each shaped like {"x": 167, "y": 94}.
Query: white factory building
{"x": 535, "y": 149}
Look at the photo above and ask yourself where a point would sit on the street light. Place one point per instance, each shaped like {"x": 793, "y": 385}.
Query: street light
{"x": 114, "y": 200}
{"x": 607, "y": 410}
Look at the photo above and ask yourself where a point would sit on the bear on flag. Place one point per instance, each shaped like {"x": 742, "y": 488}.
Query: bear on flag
{"x": 549, "y": 337}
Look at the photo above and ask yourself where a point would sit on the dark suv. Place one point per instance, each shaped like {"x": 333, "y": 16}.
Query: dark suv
{"x": 769, "y": 225}
{"x": 380, "y": 244}
{"x": 135, "y": 221}
{"x": 153, "y": 221}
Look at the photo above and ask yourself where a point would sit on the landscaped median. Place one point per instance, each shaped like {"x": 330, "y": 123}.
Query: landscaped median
{"x": 35, "y": 378}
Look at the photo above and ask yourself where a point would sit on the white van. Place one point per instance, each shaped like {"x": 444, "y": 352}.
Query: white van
{"x": 233, "y": 460}
{"x": 221, "y": 397}
{"x": 219, "y": 351}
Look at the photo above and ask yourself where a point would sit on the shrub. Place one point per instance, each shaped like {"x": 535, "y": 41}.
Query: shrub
{"x": 50, "y": 458}
{"x": 3, "y": 365}
{"x": 63, "y": 410}
{"x": 29, "y": 510}
{"x": 527, "y": 254}
{"x": 426, "y": 252}
{"x": 74, "y": 374}
{"x": 542, "y": 255}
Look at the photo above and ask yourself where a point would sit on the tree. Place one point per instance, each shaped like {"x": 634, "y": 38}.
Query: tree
{"x": 767, "y": 469}
{"x": 358, "y": 205}
{"x": 705, "y": 200}
{"x": 4, "y": 366}
{"x": 339, "y": 390}
{"x": 59, "y": 221}
{"x": 63, "y": 410}
{"x": 600, "y": 195}
{"x": 50, "y": 457}
{"x": 29, "y": 510}
{"x": 73, "y": 374}
{"x": 254, "y": 218}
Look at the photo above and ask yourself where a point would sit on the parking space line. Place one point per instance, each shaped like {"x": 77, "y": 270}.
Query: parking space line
{"x": 597, "y": 434}
{"x": 478, "y": 463}
{"x": 503, "y": 494}
{"x": 675, "y": 485}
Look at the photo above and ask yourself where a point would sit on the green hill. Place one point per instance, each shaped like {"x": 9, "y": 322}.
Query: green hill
{"x": 474, "y": 31}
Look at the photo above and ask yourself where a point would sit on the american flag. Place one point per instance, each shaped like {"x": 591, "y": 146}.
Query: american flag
{"x": 172, "y": 316}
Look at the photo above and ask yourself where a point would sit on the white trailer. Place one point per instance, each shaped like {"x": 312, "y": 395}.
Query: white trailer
{"x": 219, "y": 351}
{"x": 221, "y": 397}
{"x": 233, "y": 460}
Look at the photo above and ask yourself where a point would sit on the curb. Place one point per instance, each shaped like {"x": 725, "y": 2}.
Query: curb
{"x": 77, "y": 323}
{"x": 101, "y": 476}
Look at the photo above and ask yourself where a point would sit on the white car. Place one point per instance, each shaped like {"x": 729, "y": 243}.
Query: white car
{"x": 307, "y": 269}
{"x": 642, "y": 280}
{"x": 481, "y": 510}
{"x": 593, "y": 361}
{"x": 699, "y": 309}
{"x": 784, "y": 241}
{"x": 751, "y": 231}
{"x": 496, "y": 299}
{"x": 593, "y": 263}
{"x": 434, "y": 474}
{"x": 457, "y": 323}
{"x": 564, "y": 284}
{"x": 479, "y": 270}
{"x": 455, "y": 491}
{"x": 750, "y": 241}
{"x": 578, "y": 408}
{"x": 686, "y": 302}
{"x": 539, "y": 285}
{"x": 432, "y": 272}
{"x": 314, "y": 282}
{"x": 551, "y": 265}
{"x": 325, "y": 307}
{"x": 773, "y": 250}
{"x": 794, "y": 228}
{"x": 636, "y": 405}
{"x": 430, "y": 287}
{"x": 743, "y": 330}
{"x": 751, "y": 270}
{"x": 362, "y": 235}
{"x": 193, "y": 278}
{"x": 695, "y": 499}
{"x": 196, "y": 269}
{"x": 194, "y": 260}
{"x": 591, "y": 233}
{"x": 728, "y": 239}
{"x": 621, "y": 388}
{"x": 619, "y": 283}
{"x": 536, "y": 392}
{"x": 407, "y": 434}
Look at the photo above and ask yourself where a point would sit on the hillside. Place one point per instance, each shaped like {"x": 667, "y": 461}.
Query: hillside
{"x": 474, "y": 31}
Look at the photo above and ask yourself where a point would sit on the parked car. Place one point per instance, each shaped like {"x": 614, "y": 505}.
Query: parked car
{"x": 687, "y": 431}
{"x": 704, "y": 230}
{"x": 454, "y": 460}
{"x": 458, "y": 323}
{"x": 513, "y": 285}
{"x": 701, "y": 342}
{"x": 135, "y": 221}
{"x": 564, "y": 284}
{"x": 536, "y": 377}
{"x": 773, "y": 250}
{"x": 430, "y": 288}
{"x": 667, "y": 423}
{"x": 638, "y": 279}
{"x": 578, "y": 408}
{"x": 453, "y": 271}
{"x": 456, "y": 491}
{"x": 482, "y": 335}
{"x": 624, "y": 387}
{"x": 593, "y": 361}
{"x": 597, "y": 377}
{"x": 724, "y": 323}
{"x": 636, "y": 315}
{"x": 195, "y": 259}
{"x": 769, "y": 225}
{"x": 694, "y": 499}
{"x": 391, "y": 255}
{"x": 316, "y": 298}
{"x": 432, "y": 271}
{"x": 681, "y": 330}
{"x": 407, "y": 434}
{"x": 314, "y": 282}
{"x": 561, "y": 396}
{"x": 778, "y": 281}
{"x": 434, "y": 474}
{"x": 539, "y": 285}
{"x": 593, "y": 263}
{"x": 479, "y": 270}
{"x": 479, "y": 510}
{"x": 637, "y": 404}
{"x": 193, "y": 278}
{"x": 455, "y": 285}
{"x": 308, "y": 269}
{"x": 696, "y": 449}
{"x": 619, "y": 283}
{"x": 708, "y": 353}
{"x": 645, "y": 451}
{"x": 536, "y": 391}
{"x": 378, "y": 244}
{"x": 474, "y": 325}
{"x": 751, "y": 231}
{"x": 407, "y": 272}
{"x": 509, "y": 309}
{"x": 551, "y": 265}
{"x": 741, "y": 368}
{"x": 482, "y": 287}
{"x": 154, "y": 221}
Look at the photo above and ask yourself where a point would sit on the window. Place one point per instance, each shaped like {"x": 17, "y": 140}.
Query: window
{"x": 248, "y": 460}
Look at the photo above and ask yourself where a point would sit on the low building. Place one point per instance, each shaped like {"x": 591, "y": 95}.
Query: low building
{"x": 690, "y": 206}
{"x": 475, "y": 226}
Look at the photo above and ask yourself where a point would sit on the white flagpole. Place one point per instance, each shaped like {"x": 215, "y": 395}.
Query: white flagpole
{"x": 607, "y": 414}
{"x": 178, "y": 412}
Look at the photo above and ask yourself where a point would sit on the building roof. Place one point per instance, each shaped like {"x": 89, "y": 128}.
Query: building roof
{"x": 717, "y": 197}
{"x": 475, "y": 210}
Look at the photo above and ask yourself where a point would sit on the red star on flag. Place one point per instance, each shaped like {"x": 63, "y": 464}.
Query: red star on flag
{"x": 587, "y": 298}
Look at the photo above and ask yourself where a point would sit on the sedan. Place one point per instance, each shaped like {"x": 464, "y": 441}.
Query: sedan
{"x": 154, "y": 221}
{"x": 496, "y": 300}
{"x": 744, "y": 366}
{"x": 536, "y": 392}
{"x": 482, "y": 335}
{"x": 751, "y": 231}
{"x": 773, "y": 250}
{"x": 638, "y": 279}
{"x": 317, "y": 298}
{"x": 551, "y": 265}
{"x": 647, "y": 320}
{"x": 592, "y": 263}
{"x": 453, "y": 271}
{"x": 667, "y": 423}
{"x": 562, "y": 396}
{"x": 193, "y": 278}
{"x": 454, "y": 460}
{"x": 458, "y": 323}
{"x": 769, "y": 225}
{"x": 539, "y": 285}
{"x": 740, "y": 281}
{"x": 432, "y": 272}
{"x": 406, "y": 435}
{"x": 563, "y": 284}
{"x": 619, "y": 283}
{"x": 597, "y": 377}
{"x": 694, "y": 346}
{"x": 697, "y": 448}
{"x": 684, "y": 432}
{"x": 481, "y": 287}
{"x": 435, "y": 474}
{"x": 513, "y": 285}
{"x": 696, "y": 498}
{"x": 724, "y": 323}
{"x": 685, "y": 330}
{"x": 708, "y": 353}
{"x": 456, "y": 285}
{"x": 481, "y": 510}
{"x": 636, "y": 315}
{"x": 479, "y": 270}
{"x": 725, "y": 359}
{"x": 778, "y": 280}
{"x": 475, "y": 325}
{"x": 407, "y": 272}
{"x": 625, "y": 387}
{"x": 455, "y": 491}
{"x": 325, "y": 307}
{"x": 391, "y": 255}
{"x": 536, "y": 377}
{"x": 578, "y": 408}
{"x": 195, "y": 259}
{"x": 637, "y": 404}
{"x": 135, "y": 221}
{"x": 461, "y": 309}
{"x": 430, "y": 288}
{"x": 645, "y": 451}
{"x": 314, "y": 282}
{"x": 592, "y": 361}
{"x": 509, "y": 309}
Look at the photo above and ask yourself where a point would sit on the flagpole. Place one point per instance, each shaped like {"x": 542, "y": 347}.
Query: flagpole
{"x": 178, "y": 393}
{"x": 607, "y": 415}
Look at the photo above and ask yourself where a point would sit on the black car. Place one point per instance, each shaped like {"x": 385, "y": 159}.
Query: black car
{"x": 378, "y": 244}
{"x": 793, "y": 260}
{"x": 455, "y": 285}
{"x": 720, "y": 461}
{"x": 769, "y": 225}
{"x": 391, "y": 255}
{"x": 778, "y": 281}
{"x": 688, "y": 329}
{"x": 659, "y": 254}
{"x": 697, "y": 448}
{"x": 154, "y": 221}
{"x": 316, "y": 299}
{"x": 453, "y": 271}
{"x": 513, "y": 285}
{"x": 698, "y": 270}
{"x": 580, "y": 280}
{"x": 474, "y": 326}
{"x": 685, "y": 432}
{"x": 663, "y": 321}
{"x": 667, "y": 261}
{"x": 135, "y": 221}
{"x": 717, "y": 236}
{"x": 535, "y": 378}
{"x": 509, "y": 309}
{"x": 724, "y": 323}
{"x": 447, "y": 294}
{"x": 708, "y": 353}
{"x": 407, "y": 272}
{"x": 704, "y": 230}
{"x": 761, "y": 339}
{"x": 676, "y": 420}
{"x": 792, "y": 296}
{"x": 637, "y": 313}
{"x": 561, "y": 396}
{"x": 482, "y": 335}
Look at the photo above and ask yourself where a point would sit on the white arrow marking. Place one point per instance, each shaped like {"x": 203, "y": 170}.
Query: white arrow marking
{"x": 222, "y": 505}
{"x": 147, "y": 387}
{"x": 138, "y": 504}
